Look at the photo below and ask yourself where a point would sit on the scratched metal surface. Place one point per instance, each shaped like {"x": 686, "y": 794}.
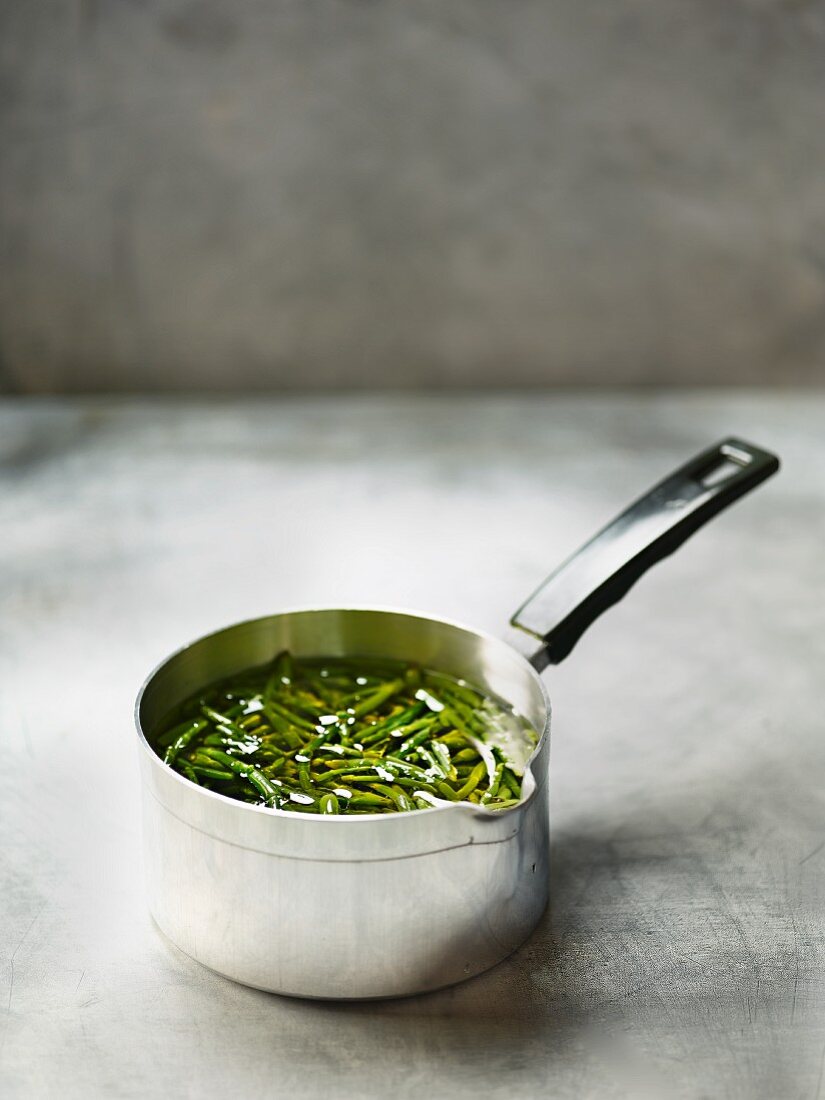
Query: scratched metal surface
{"x": 682, "y": 954}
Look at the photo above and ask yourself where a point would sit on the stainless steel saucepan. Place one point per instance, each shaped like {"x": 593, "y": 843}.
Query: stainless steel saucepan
{"x": 385, "y": 905}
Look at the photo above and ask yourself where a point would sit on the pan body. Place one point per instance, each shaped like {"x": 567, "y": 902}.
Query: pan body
{"x": 341, "y": 907}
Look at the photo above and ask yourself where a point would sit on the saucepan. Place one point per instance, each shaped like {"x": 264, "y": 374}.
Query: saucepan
{"x": 385, "y": 905}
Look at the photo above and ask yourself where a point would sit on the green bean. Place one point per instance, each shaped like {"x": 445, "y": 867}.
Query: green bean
{"x": 296, "y": 807}
{"x": 442, "y": 755}
{"x": 395, "y": 794}
{"x": 230, "y": 712}
{"x": 392, "y": 725}
{"x": 454, "y": 739}
{"x": 415, "y": 785}
{"x": 307, "y": 706}
{"x": 377, "y": 698}
{"x": 364, "y": 776}
{"x": 283, "y": 727}
{"x": 366, "y": 799}
{"x": 330, "y": 735}
{"x": 407, "y": 768}
{"x": 510, "y": 781}
{"x": 476, "y": 776}
{"x": 424, "y": 728}
{"x": 434, "y": 765}
{"x": 182, "y": 741}
{"x": 457, "y": 692}
{"x": 188, "y": 771}
{"x": 223, "y": 721}
{"x": 212, "y": 773}
{"x": 306, "y": 760}
{"x": 446, "y": 791}
{"x": 217, "y": 740}
{"x": 462, "y": 706}
{"x": 290, "y": 716}
{"x": 175, "y": 732}
{"x": 492, "y": 790}
{"x": 245, "y": 771}
{"x": 281, "y": 674}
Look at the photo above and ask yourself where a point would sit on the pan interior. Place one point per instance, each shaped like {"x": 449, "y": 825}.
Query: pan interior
{"x": 442, "y": 646}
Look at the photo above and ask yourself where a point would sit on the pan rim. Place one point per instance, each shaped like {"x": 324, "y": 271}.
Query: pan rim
{"x": 467, "y": 808}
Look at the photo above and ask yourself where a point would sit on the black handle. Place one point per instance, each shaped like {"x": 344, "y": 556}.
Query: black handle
{"x": 604, "y": 569}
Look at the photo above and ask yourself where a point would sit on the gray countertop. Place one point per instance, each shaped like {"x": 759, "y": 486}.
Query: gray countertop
{"x": 682, "y": 952}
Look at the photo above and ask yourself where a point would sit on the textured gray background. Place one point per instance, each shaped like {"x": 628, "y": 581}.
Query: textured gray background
{"x": 683, "y": 951}
{"x": 304, "y": 193}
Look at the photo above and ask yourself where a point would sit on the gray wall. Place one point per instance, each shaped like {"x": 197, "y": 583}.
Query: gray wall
{"x": 302, "y": 193}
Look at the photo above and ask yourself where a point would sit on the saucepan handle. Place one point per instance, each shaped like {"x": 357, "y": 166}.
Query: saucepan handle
{"x": 606, "y": 567}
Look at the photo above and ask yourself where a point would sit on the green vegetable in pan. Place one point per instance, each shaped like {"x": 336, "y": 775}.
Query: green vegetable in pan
{"x": 348, "y": 736}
